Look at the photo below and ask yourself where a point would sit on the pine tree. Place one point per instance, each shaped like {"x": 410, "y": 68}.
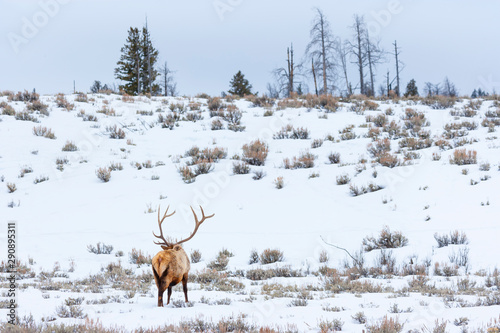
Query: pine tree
{"x": 137, "y": 64}
{"x": 239, "y": 85}
{"x": 474, "y": 94}
{"x": 411, "y": 88}
{"x": 148, "y": 71}
{"x": 129, "y": 64}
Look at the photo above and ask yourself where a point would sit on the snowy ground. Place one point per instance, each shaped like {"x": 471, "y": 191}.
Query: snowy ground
{"x": 58, "y": 218}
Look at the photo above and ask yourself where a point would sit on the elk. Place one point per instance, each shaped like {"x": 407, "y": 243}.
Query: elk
{"x": 171, "y": 265}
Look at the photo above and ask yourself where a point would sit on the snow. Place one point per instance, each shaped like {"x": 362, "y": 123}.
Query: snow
{"x": 57, "y": 219}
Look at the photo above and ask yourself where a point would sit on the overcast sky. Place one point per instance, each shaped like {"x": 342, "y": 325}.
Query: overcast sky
{"x": 46, "y": 44}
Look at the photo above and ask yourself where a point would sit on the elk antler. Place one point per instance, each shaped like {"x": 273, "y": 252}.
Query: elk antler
{"x": 165, "y": 242}
{"x": 197, "y": 224}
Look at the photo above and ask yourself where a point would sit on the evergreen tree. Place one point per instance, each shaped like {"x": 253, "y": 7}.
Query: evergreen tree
{"x": 148, "y": 71}
{"x": 129, "y": 64}
{"x": 411, "y": 88}
{"x": 137, "y": 64}
{"x": 474, "y": 94}
{"x": 239, "y": 85}
{"x": 96, "y": 87}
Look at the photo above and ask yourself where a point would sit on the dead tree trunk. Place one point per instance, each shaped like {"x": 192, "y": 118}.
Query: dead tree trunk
{"x": 314, "y": 76}
{"x": 396, "y": 54}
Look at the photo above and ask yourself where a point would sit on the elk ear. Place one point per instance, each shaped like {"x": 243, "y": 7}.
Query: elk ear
{"x": 165, "y": 247}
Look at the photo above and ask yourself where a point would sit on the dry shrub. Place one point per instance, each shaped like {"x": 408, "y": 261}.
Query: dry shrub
{"x": 217, "y": 125}
{"x": 255, "y": 153}
{"x": 127, "y": 98}
{"x": 69, "y": 146}
{"x": 454, "y": 238}
{"x": 220, "y": 263}
{"x": 347, "y": 133}
{"x": 188, "y": 176}
{"x": 214, "y": 103}
{"x": 292, "y": 103}
{"x": 100, "y": 248}
{"x": 82, "y": 98}
{"x": 388, "y": 160}
{"x": 325, "y": 102}
{"x": 385, "y": 240}
{"x": 8, "y": 110}
{"x": 11, "y": 187}
{"x": 414, "y": 120}
{"x": 334, "y": 158}
{"x": 240, "y": 168}
{"x": 24, "y": 96}
{"x": 206, "y": 155}
{"x": 203, "y": 167}
{"x": 43, "y": 131}
{"x": 115, "y": 132}
{"x": 269, "y": 256}
{"x": 444, "y": 269}
{"x": 289, "y": 132}
{"x": 138, "y": 257}
{"x": 415, "y": 143}
{"x": 343, "y": 179}
{"x": 443, "y": 144}
{"x": 104, "y": 174}
{"x": 463, "y": 157}
{"x": 38, "y": 106}
{"x": 195, "y": 256}
{"x": 379, "y": 147}
{"x": 394, "y": 130}
{"x": 62, "y": 102}
{"x": 387, "y": 325}
{"x": 316, "y": 143}
{"x": 356, "y": 191}
{"x": 26, "y": 116}
{"x": 304, "y": 161}
{"x": 279, "y": 182}
{"x": 262, "y": 101}
{"x": 370, "y": 105}
{"x": 439, "y": 102}
{"x": 107, "y": 111}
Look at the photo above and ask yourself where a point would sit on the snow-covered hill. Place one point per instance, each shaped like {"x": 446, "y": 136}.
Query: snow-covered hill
{"x": 61, "y": 209}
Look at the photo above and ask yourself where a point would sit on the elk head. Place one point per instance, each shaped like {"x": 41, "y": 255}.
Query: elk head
{"x": 171, "y": 265}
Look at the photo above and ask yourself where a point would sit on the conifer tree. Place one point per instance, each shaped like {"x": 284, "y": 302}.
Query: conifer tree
{"x": 129, "y": 64}
{"x": 137, "y": 64}
{"x": 148, "y": 71}
{"x": 239, "y": 85}
{"x": 411, "y": 88}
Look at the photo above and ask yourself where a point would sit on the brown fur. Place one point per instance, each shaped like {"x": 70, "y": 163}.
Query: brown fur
{"x": 170, "y": 267}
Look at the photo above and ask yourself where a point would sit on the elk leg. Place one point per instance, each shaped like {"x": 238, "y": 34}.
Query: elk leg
{"x": 160, "y": 296}
{"x": 168, "y": 294}
{"x": 160, "y": 288}
{"x": 185, "y": 286}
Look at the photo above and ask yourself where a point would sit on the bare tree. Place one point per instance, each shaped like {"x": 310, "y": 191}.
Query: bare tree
{"x": 321, "y": 49}
{"x": 449, "y": 88}
{"x": 357, "y": 48}
{"x": 342, "y": 51}
{"x": 374, "y": 56}
{"x": 313, "y": 71}
{"x": 168, "y": 84}
{"x": 399, "y": 66}
{"x": 272, "y": 90}
{"x": 433, "y": 89}
{"x": 287, "y": 76}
